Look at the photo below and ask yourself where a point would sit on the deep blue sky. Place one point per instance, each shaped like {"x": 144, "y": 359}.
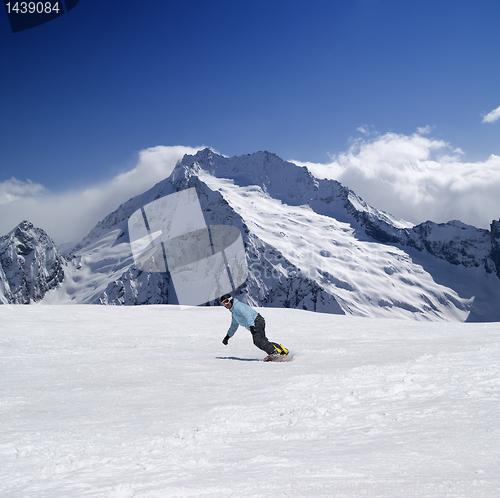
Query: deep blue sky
{"x": 81, "y": 95}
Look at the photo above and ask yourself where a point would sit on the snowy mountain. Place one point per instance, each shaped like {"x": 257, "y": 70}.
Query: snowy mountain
{"x": 310, "y": 243}
{"x": 30, "y": 265}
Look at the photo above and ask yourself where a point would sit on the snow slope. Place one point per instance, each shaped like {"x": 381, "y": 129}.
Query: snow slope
{"x": 146, "y": 402}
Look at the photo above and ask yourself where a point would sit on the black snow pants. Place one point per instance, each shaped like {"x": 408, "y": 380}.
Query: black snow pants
{"x": 259, "y": 335}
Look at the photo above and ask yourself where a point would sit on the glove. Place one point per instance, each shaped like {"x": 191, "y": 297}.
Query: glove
{"x": 225, "y": 340}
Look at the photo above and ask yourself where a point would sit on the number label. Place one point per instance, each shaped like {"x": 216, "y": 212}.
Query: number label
{"x": 32, "y": 7}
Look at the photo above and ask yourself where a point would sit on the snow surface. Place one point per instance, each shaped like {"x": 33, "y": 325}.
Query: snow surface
{"x": 145, "y": 401}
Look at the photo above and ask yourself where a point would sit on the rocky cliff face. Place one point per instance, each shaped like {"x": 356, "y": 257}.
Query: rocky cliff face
{"x": 30, "y": 265}
{"x": 454, "y": 241}
{"x": 495, "y": 245}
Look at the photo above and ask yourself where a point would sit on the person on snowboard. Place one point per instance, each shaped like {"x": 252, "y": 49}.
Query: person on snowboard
{"x": 244, "y": 315}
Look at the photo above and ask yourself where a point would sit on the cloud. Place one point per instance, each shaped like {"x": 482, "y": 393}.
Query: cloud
{"x": 13, "y": 190}
{"x": 418, "y": 178}
{"x": 492, "y": 116}
{"x": 69, "y": 216}
{"x": 363, "y": 129}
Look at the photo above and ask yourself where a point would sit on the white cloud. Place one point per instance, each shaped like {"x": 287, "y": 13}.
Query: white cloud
{"x": 424, "y": 130}
{"x": 418, "y": 178}
{"x": 492, "y": 116}
{"x": 363, "y": 129}
{"x": 69, "y": 216}
{"x": 12, "y": 190}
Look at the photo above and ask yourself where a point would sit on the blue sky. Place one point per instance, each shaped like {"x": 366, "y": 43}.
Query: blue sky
{"x": 81, "y": 96}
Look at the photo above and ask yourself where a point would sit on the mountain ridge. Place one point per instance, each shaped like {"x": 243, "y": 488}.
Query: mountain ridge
{"x": 310, "y": 243}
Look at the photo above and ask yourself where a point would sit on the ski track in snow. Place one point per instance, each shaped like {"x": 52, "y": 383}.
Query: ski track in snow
{"x": 128, "y": 402}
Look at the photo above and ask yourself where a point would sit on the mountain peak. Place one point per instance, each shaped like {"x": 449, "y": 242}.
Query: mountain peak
{"x": 22, "y": 228}
{"x": 264, "y": 169}
{"x": 30, "y": 264}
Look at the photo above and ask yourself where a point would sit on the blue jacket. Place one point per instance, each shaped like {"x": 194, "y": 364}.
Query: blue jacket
{"x": 242, "y": 315}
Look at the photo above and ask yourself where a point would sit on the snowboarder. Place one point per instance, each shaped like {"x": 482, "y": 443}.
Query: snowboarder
{"x": 242, "y": 314}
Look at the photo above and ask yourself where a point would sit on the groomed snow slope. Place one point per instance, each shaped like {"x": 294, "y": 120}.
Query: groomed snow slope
{"x": 145, "y": 401}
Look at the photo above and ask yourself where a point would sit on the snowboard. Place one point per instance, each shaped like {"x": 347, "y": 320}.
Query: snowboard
{"x": 281, "y": 358}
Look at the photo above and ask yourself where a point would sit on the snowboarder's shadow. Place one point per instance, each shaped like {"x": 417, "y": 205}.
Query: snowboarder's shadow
{"x": 236, "y": 358}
